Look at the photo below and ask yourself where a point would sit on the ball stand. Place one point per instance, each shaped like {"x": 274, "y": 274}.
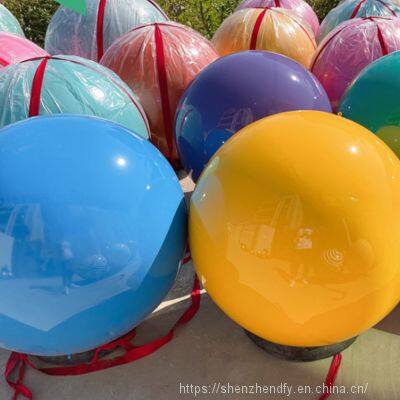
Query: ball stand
{"x": 72, "y": 359}
{"x": 292, "y": 353}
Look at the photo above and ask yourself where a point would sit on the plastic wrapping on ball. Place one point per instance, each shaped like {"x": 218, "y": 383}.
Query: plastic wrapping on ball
{"x": 236, "y": 91}
{"x": 350, "y": 9}
{"x": 14, "y": 49}
{"x": 71, "y": 85}
{"x": 93, "y": 232}
{"x": 8, "y": 23}
{"x": 81, "y": 35}
{"x": 300, "y": 7}
{"x": 273, "y": 29}
{"x": 159, "y": 61}
{"x": 349, "y": 48}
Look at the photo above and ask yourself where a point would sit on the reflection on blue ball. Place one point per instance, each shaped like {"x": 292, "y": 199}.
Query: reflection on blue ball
{"x": 92, "y": 230}
{"x": 235, "y": 91}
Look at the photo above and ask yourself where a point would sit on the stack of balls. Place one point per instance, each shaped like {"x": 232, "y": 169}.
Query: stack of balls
{"x": 292, "y": 203}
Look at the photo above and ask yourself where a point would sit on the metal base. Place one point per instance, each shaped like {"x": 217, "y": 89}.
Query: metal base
{"x": 181, "y": 173}
{"x": 73, "y": 359}
{"x": 292, "y": 353}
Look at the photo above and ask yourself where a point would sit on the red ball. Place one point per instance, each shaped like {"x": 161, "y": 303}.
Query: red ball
{"x": 158, "y": 61}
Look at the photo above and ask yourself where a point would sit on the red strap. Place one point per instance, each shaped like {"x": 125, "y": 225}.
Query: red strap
{"x": 186, "y": 259}
{"x": 373, "y": 19}
{"x": 18, "y": 362}
{"x": 99, "y": 28}
{"x": 305, "y": 31}
{"x": 322, "y": 48}
{"x": 332, "y": 375}
{"x": 158, "y": 8}
{"x": 356, "y": 9}
{"x": 36, "y": 91}
{"x": 382, "y": 42}
{"x": 163, "y": 84}
{"x": 259, "y": 20}
{"x": 114, "y": 81}
{"x": 388, "y": 7}
{"x": 256, "y": 29}
{"x": 277, "y": 3}
{"x": 3, "y": 62}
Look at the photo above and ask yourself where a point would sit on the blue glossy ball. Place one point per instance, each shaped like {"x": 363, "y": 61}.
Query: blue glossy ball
{"x": 92, "y": 230}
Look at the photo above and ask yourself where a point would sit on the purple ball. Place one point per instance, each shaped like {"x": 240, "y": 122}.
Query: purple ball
{"x": 235, "y": 91}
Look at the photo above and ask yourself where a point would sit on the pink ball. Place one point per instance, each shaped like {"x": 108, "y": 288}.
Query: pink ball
{"x": 14, "y": 49}
{"x": 299, "y": 7}
{"x": 349, "y": 48}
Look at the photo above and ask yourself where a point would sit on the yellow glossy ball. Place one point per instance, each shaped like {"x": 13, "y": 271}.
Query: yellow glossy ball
{"x": 295, "y": 228}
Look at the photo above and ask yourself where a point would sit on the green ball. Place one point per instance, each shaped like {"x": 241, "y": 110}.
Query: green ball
{"x": 373, "y": 100}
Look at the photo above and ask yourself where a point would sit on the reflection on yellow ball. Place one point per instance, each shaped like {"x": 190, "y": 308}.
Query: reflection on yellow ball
{"x": 275, "y": 29}
{"x": 295, "y": 228}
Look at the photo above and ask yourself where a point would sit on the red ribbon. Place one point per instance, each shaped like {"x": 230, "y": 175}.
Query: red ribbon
{"x": 163, "y": 84}
{"x": 388, "y": 7}
{"x": 99, "y": 28}
{"x": 256, "y": 29}
{"x": 37, "y": 83}
{"x": 382, "y": 42}
{"x": 325, "y": 45}
{"x": 259, "y": 20}
{"x": 332, "y": 375}
{"x": 356, "y": 9}
{"x": 38, "y": 78}
{"x": 158, "y": 8}
{"x": 18, "y": 362}
{"x": 305, "y": 31}
{"x": 100, "y": 25}
{"x": 3, "y": 62}
{"x": 380, "y": 38}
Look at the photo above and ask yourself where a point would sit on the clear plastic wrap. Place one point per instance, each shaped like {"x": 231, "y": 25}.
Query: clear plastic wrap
{"x": 71, "y": 85}
{"x": 300, "y": 7}
{"x": 350, "y": 9}
{"x": 158, "y": 62}
{"x": 14, "y": 49}
{"x": 273, "y": 29}
{"x": 349, "y": 48}
{"x": 81, "y": 35}
{"x": 8, "y": 23}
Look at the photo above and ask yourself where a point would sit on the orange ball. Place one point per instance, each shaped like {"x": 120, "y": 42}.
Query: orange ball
{"x": 158, "y": 61}
{"x": 273, "y": 29}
